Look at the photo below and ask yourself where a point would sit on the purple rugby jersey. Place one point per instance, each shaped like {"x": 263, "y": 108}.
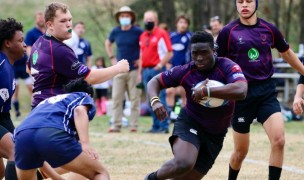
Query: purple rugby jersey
{"x": 53, "y": 64}
{"x": 212, "y": 120}
{"x": 250, "y": 47}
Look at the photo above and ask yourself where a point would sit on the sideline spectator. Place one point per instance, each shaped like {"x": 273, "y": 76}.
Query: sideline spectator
{"x": 126, "y": 37}
{"x": 216, "y": 26}
{"x": 84, "y": 51}
{"x": 101, "y": 90}
{"x": 180, "y": 40}
{"x": 155, "y": 53}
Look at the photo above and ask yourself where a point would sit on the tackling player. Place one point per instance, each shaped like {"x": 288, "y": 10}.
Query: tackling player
{"x": 49, "y": 133}
{"x": 199, "y": 131}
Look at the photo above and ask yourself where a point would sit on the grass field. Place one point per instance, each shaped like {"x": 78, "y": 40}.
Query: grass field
{"x": 130, "y": 156}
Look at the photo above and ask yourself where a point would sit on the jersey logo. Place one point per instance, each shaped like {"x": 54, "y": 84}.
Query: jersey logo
{"x": 240, "y": 40}
{"x": 82, "y": 69}
{"x": 241, "y": 119}
{"x": 4, "y": 94}
{"x": 35, "y": 57}
{"x": 193, "y": 131}
{"x": 75, "y": 65}
{"x": 253, "y": 54}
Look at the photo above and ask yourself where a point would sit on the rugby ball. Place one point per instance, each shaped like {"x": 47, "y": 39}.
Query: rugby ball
{"x": 212, "y": 102}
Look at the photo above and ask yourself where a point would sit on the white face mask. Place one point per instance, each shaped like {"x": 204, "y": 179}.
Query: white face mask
{"x": 124, "y": 21}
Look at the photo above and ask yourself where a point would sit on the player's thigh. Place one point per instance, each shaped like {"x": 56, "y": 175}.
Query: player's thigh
{"x": 85, "y": 166}
{"x": 26, "y": 174}
{"x": 241, "y": 142}
{"x": 274, "y": 127}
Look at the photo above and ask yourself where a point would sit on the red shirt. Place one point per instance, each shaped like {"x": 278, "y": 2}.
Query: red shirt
{"x": 154, "y": 46}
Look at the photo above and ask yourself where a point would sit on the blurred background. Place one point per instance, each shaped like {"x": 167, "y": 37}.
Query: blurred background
{"x": 98, "y": 15}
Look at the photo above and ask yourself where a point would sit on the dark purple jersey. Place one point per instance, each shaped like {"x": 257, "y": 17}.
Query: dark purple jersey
{"x": 53, "y": 64}
{"x": 212, "y": 120}
{"x": 250, "y": 47}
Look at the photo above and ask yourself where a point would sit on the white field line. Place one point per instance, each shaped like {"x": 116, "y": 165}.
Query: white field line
{"x": 292, "y": 169}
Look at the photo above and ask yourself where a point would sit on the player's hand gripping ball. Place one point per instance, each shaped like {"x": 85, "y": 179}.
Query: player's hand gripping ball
{"x": 203, "y": 99}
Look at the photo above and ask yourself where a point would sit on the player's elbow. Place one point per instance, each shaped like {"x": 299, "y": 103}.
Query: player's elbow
{"x": 242, "y": 93}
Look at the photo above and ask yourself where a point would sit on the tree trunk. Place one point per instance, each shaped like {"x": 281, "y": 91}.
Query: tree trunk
{"x": 301, "y": 22}
{"x": 288, "y": 19}
{"x": 168, "y": 15}
{"x": 276, "y": 12}
{"x": 197, "y": 14}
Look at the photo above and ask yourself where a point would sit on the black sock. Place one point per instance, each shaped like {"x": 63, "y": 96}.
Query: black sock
{"x": 16, "y": 105}
{"x": 274, "y": 173}
{"x": 10, "y": 171}
{"x": 153, "y": 176}
{"x": 233, "y": 173}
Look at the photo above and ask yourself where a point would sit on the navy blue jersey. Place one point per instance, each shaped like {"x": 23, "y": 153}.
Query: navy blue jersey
{"x": 84, "y": 50}
{"x": 250, "y": 47}
{"x": 58, "y": 112}
{"x": 7, "y": 83}
{"x": 32, "y": 36}
{"x": 127, "y": 43}
{"x": 180, "y": 46}
{"x": 212, "y": 120}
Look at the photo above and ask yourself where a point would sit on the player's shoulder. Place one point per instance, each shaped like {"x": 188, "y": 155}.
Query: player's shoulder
{"x": 224, "y": 61}
{"x": 231, "y": 25}
{"x": 137, "y": 29}
{"x": 267, "y": 24}
{"x": 3, "y": 60}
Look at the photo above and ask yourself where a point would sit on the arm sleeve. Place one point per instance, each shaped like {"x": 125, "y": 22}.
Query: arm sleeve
{"x": 112, "y": 36}
{"x": 173, "y": 77}
{"x": 221, "y": 44}
{"x": 233, "y": 71}
{"x": 279, "y": 41}
{"x": 89, "y": 52}
{"x": 89, "y": 102}
{"x": 29, "y": 39}
{"x": 67, "y": 64}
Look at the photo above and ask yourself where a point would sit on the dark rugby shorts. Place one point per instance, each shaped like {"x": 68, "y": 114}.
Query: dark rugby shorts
{"x": 261, "y": 102}
{"x": 208, "y": 145}
{"x": 6, "y": 121}
{"x": 34, "y": 146}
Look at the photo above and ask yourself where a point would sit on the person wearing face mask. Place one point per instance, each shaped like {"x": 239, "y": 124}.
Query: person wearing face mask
{"x": 155, "y": 52}
{"x": 126, "y": 36}
{"x": 248, "y": 41}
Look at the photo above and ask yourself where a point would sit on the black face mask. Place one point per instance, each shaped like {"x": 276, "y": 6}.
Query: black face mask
{"x": 149, "y": 26}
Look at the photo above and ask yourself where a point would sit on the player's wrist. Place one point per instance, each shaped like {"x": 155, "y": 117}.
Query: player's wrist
{"x": 154, "y": 100}
{"x": 159, "y": 65}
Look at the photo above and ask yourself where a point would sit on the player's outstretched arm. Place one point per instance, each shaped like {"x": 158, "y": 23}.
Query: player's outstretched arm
{"x": 81, "y": 120}
{"x": 97, "y": 76}
{"x": 154, "y": 86}
{"x": 298, "y": 101}
{"x": 291, "y": 58}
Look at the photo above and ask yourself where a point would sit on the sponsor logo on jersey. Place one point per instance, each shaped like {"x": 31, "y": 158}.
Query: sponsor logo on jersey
{"x": 253, "y": 54}
{"x": 241, "y": 119}
{"x": 82, "y": 69}
{"x": 75, "y": 65}
{"x": 193, "y": 131}
{"x": 35, "y": 57}
{"x": 238, "y": 75}
{"x": 240, "y": 40}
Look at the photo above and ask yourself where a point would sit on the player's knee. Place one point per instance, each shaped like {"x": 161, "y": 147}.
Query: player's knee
{"x": 183, "y": 166}
{"x": 240, "y": 155}
{"x": 278, "y": 142}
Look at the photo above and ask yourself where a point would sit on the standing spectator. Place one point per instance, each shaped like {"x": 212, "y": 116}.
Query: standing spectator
{"x": 12, "y": 48}
{"x": 37, "y": 31}
{"x": 20, "y": 65}
{"x": 101, "y": 90}
{"x": 216, "y": 26}
{"x": 248, "y": 41}
{"x": 180, "y": 44}
{"x": 20, "y": 73}
{"x": 155, "y": 53}
{"x": 84, "y": 51}
{"x": 126, "y": 37}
